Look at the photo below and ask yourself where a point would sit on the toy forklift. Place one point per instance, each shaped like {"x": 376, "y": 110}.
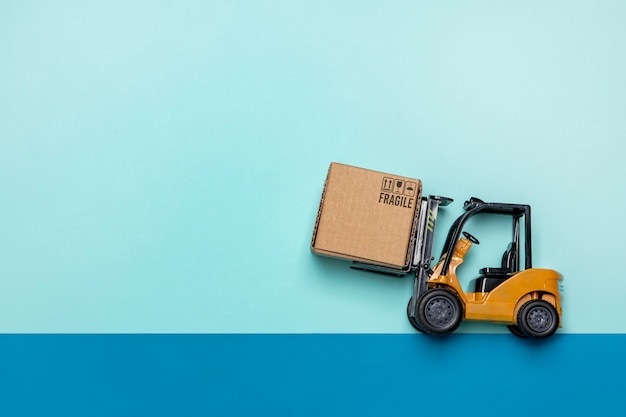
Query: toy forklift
{"x": 526, "y": 299}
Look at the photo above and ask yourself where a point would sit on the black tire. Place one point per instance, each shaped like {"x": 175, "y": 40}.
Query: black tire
{"x": 538, "y": 319}
{"x": 514, "y": 329}
{"x": 439, "y": 311}
{"x": 412, "y": 320}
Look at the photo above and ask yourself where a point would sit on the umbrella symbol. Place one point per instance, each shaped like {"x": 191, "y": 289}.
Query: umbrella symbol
{"x": 410, "y": 189}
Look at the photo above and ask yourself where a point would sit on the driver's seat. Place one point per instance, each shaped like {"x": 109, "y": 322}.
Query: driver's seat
{"x": 508, "y": 263}
{"x": 490, "y": 277}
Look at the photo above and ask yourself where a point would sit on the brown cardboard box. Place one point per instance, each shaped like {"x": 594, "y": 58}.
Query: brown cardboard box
{"x": 367, "y": 216}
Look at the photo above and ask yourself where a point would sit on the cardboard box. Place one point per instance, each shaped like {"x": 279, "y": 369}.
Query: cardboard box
{"x": 367, "y": 216}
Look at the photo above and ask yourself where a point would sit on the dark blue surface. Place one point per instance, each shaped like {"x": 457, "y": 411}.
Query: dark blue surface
{"x": 365, "y": 375}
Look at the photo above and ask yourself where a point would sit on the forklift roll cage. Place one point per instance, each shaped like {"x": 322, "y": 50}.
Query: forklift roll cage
{"x": 516, "y": 211}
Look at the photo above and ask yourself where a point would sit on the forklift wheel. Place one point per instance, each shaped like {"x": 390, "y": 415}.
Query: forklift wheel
{"x": 412, "y": 320}
{"x": 439, "y": 311}
{"x": 538, "y": 319}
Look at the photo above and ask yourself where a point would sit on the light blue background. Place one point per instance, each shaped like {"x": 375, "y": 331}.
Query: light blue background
{"x": 161, "y": 163}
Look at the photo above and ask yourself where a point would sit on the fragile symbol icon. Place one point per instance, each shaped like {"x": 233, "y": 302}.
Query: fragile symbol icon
{"x": 398, "y": 187}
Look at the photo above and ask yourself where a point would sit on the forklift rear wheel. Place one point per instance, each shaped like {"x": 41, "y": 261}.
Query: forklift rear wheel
{"x": 538, "y": 319}
{"x": 412, "y": 320}
{"x": 439, "y": 311}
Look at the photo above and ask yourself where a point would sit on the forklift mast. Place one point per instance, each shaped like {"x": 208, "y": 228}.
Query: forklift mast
{"x": 422, "y": 255}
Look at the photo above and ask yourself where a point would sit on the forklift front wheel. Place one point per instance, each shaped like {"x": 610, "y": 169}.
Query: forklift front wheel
{"x": 538, "y": 319}
{"x": 439, "y": 311}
